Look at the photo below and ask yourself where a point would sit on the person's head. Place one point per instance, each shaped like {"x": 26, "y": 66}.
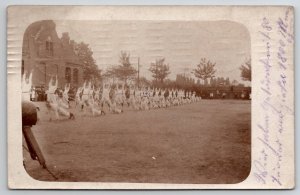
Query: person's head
{"x": 56, "y": 92}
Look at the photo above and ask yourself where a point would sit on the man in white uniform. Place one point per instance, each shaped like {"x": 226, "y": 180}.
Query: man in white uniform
{"x": 53, "y": 101}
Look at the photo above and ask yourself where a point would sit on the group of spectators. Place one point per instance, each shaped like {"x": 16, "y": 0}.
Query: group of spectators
{"x": 38, "y": 94}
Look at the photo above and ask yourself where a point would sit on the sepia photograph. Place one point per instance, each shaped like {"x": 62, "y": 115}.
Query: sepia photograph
{"x": 136, "y": 101}
{"x": 150, "y": 97}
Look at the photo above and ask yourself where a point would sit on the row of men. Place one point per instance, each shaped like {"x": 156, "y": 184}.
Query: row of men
{"x": 116, "y": 96}
{"x": 91, "y": 99}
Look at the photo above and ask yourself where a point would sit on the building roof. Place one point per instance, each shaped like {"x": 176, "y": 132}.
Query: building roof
{"x": 38, "y": 33}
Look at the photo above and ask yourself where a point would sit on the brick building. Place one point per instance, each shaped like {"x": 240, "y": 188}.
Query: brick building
{"x": 48, "y": 55}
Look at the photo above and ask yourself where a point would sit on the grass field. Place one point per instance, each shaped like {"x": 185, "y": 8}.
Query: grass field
{"x": 204, "y": 142}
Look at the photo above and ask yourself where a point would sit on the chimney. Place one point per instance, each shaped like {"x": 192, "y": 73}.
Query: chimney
{"x": 72, "y": 44}
{"x": 65, "y": 39}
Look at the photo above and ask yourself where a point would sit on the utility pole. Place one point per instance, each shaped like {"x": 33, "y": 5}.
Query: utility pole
{"x": 45, "y": 74}
{"x": 138, "y": 71}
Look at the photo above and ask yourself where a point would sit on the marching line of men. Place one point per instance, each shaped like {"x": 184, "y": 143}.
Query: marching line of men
{"x": 116, "y": 96}
{"x": 89, "y": 99}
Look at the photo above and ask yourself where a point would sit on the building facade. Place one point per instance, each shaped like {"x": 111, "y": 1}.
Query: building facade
{"x": 49, "y": 56}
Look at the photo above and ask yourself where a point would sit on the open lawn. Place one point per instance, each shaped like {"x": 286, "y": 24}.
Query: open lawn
{"x": 204, "y": 142}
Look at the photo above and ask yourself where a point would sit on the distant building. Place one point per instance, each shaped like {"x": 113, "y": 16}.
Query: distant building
{"x": 224, "y": 92}
{"x": 48, "y": 55}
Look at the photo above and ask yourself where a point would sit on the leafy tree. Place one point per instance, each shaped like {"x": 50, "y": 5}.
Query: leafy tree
{"x": 159, "y": 70}
{"x": 85, "y": 54}
{"x": 124, "y": 71}
{"x": 205, "y": 69}
{"x": 221, "y": 81}
{"x": 234, "y": 83}
{"x": 124, "y": 59}
{"x": 212, "y": 82}
{"x": 246, "y": 70}
{"x": 227, "y": 81}
{"x": 184, "y": 82}
{"x": 205, "y": 82}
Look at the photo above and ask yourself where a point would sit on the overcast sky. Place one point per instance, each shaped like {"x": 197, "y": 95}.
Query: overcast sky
{"x": 182, "y": 44}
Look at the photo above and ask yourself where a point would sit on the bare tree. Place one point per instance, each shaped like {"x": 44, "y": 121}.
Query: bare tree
{"x": 246, "y": 70}
{"x": 159, "y": 70}
{"x": 205, "y": 69}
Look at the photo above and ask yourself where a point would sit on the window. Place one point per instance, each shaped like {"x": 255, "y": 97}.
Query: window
{"x": 42, "y": 69}
{"x": 55, "y": 70}
{"x": 75, "y": 76}
{"x": 68, "y": 75}
{"x": 49, "y": 46}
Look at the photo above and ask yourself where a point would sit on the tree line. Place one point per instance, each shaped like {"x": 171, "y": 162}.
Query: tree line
{"x": 204, "y": 71}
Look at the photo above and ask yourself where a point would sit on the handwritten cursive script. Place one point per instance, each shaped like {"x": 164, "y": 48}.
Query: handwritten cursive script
{"x": 274, "y": 108}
